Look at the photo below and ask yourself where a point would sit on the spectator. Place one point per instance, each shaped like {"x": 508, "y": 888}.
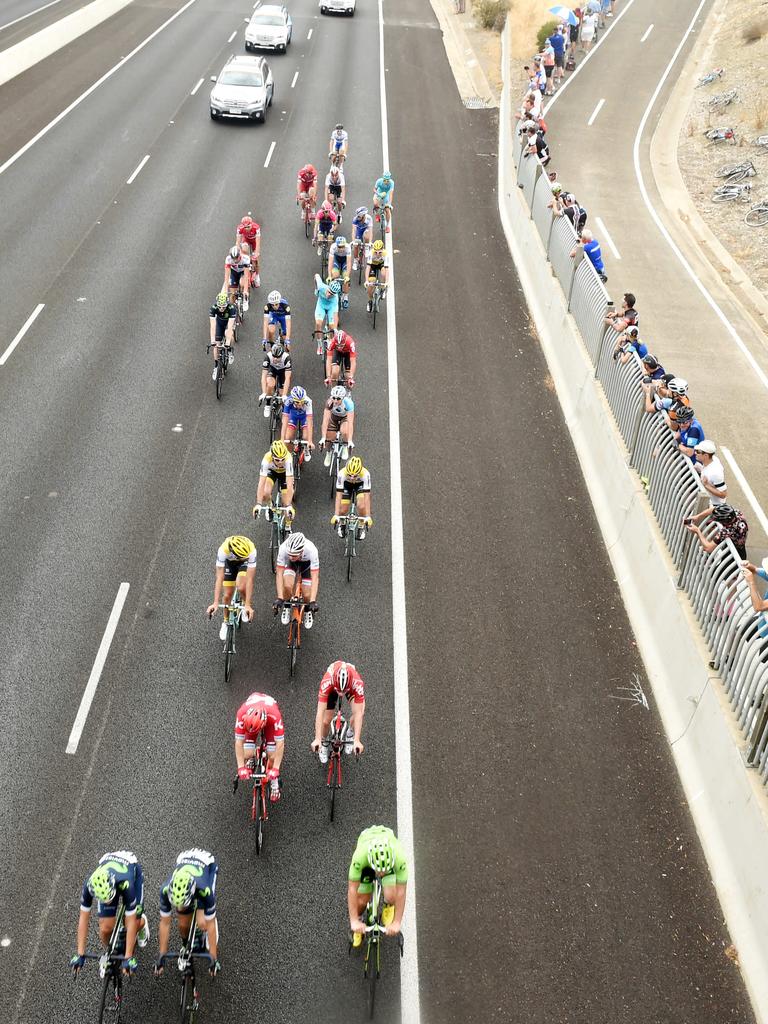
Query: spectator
{"x": 730, "y": 523}
{"x": 652, "y": 368}
{"x": 575, "y": 213}
{"x": 759, "y": 601}
{"x": 557, "y": 42}
{"x": 688, "y": 431}
{"x": 626, "y": 317}
{"x": 548, "y": 60}
{"x": 678, "y": 389}
{"x": 658, "y": 397}
{"x": 574, "y": 32}
{"x": 629, "y": 344}
{"x": 536, "y": 145}
{"x": 591, "y": 248}
{"x": 588, "y": 29}
{"x": 531, "y": 108}
{"x": 538, "y": 75}
{"x": 711, "y": 471}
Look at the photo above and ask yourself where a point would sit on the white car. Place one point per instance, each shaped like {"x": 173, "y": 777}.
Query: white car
{"x": 337, "y": 7}
{"x": 270, "y": 28}
{"x": 244, "y": 89}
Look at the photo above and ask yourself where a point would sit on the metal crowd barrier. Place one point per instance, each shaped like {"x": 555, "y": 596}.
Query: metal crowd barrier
{"x": 737, "y": 636}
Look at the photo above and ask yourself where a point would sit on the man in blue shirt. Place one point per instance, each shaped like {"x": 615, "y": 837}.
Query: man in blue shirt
{"x": 591, "y": 248}
{"x": 690, "y": 431}
{"x": 190, "y": 889}
{"x": 557, "y": 42}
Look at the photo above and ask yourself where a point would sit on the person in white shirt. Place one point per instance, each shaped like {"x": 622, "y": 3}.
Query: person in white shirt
{"x": 711, "y": 471}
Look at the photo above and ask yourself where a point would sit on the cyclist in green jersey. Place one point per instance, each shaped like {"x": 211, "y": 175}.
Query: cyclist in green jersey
{"x": 378, "y": 853}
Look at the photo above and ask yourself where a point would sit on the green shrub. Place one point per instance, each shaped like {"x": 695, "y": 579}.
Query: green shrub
{"x": 491, "y": 14}
{"x": 545, "y": 32}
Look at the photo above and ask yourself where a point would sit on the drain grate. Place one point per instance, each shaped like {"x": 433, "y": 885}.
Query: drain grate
{"x": 477, "y": 103}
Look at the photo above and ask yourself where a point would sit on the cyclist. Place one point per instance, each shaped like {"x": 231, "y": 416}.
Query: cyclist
{"x": 223, "y": 317}
{"x": 378, "y": 854}
{"x": 276, "y": 311}
{"x": 118, "y": 876}
{"x": 327, "y": 304}
{"x": 340, "y": 265}
{"x": 342, "y": 351}
{"x": 362, "y": 223}
{"x": 339, "y": 144}
{"x": 297, "y": 412}
{"x": 338, "y": 417}
{"x": 341, "y": 679}
{"x": 249, "y": 232}
{"x": 191, "y": 885}
{"x": 382, "y": 197}
{"x": 687, "y": 430}
{"x": 275, "y": 375}
{"x": 306, "y": 184}
{"x": 297, "y": 555}
{"x": 276, "y": 468}
{"x": 353, "y": 480}
{"x": 260, "y": 714}
{"x": 325, "y": 222}
{"x": 235, "y": 567}
{"x": 236, "y": 268}
{"x": 336, "y": 188}
{"x": 377, "y": 270}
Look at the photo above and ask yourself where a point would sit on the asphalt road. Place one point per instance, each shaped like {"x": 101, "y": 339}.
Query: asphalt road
{"x": 22, "y": 18}
{"x": 559, "y": 874}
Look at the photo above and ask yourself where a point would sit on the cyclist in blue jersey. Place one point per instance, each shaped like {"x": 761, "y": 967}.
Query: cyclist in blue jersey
{"x": 192, "y": 884}
{"x": 327, "y": 294}
{"x": 276, "y": 311}
{"x": 117, "y": 877}
{"x": 339, "y": 145}
{"x": 382, "y": 197}
{"x": 362, "y": 235}
{"x": 297, "y": 412}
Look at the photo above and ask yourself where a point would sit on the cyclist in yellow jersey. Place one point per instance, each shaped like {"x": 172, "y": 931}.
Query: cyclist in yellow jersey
{"x": 353, "y": 480}
{"x": 235, "y": 567}
{"x": 276, "y": 468}
{"x": 377, "y": 269}
{"x": 378, "y": 853}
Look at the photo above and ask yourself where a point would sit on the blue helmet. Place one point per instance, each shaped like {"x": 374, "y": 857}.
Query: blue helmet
{"x": 298, "y": 394}
{"x": 361, "y": 211}
{"x": 341, "y": 241}
{"x": 335, "y": 287}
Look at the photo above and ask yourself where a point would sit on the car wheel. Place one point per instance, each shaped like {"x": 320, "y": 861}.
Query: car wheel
{"x": 283, "y": 47}
{"x": 214, "y": 115}
{"x": 271, "y": 96}
{"x": 323, "y": 10}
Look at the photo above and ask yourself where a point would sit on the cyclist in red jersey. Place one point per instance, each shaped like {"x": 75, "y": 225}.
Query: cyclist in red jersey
{"x": 341, "y": 679}
{"x": 260, "y": 713}
{"x": 248, "y": 231}
{"x": 342, "y": 351}
{"x": 306, "y": 183}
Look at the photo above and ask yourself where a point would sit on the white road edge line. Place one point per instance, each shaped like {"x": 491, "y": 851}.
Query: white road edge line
{"x": 136, "y": 173}
{"x": 759, "y": 373}
{"x": 409, "y": 966}
{"x": 29, "y": 14}
{"x": 750, "y": 494}
{"x": 647, "y": 32}
{"x": 197, "y": 87}
{"x": 309, "y": 34}
{"x": 293, "y": 83}
{"x": 595, "y": 112}
{"x": 604, "y": 233}
{"x": 98, "y": 668}
{"x": 269, "y": 154}
{"x": 91, "y": 88}
{"x": 589, "y": 56}
{"x": 30, "y": 320}
{"x": 232, "y": 36}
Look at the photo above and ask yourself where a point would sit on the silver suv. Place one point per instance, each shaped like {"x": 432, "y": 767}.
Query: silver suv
{"x": 244, "y": 89}
{"x": 270, "y": 28}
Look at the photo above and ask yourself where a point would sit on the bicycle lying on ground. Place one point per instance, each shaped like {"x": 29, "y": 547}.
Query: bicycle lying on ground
{"x": 736, "y": 172}
{"x": 722, "y": 100}
{"x": 757, "y": 216}
{"x": 711, "y": 76}
{"x": 716, "y": 135}
{"x": 727, "y": 193}
{"x": 111, "y": 971}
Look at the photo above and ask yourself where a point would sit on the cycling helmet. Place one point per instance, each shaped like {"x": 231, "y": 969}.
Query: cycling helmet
{"x": 723, "y": 512}
{"x": 678, "y": 386}
{"x": 327, "y": 205}
{"x": 274, "y": 298}
{"x": 102, "y": 885}
{"x": 254, "y": 719}
{"x": 335, "y": 287}
{"x": 341, "y": 241}
{"x": 239, "y": 546}
{"x": 234, "y": 252}
{"x": 298, "y": 394}
{"x": 278, "y": 350}
{"x": 335, "y": 171}
{"x": 342, "y": 338}
{"x": 378, "y": 245}
{"x": 221, "y": 300}
{"x": 683, "y": 413}
{"x": 279, "y": 451}
{"x": 381, "y": 856}
{"x": 338, "y": 393}
{"x": 386, "y": 176}
{"x": 339, "y": 128}
{"x": 361, "y": 211}
{"x": 354, "y": 467}
{"x": 633, "y": 333}
{"x": 182, "y": 887}
{"x": 246, "y": 221}
{"x": 308, "y": 169}
{"x": 341, "y": 676}
{"x": 296, "y": 543}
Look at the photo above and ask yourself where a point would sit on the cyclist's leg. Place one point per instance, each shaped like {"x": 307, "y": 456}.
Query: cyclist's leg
{"x": 288, "y": 431}
{"x": 289, "y": 578}
{"x": 269, "y": 389}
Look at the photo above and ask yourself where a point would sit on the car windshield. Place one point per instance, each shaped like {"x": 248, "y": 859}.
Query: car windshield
{"x": 248, "y": 78}
{"x": 268, "y": 19}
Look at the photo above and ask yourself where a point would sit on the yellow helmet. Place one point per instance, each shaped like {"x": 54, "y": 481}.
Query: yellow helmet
{"x": 238, "y": 546}
{"x": 279, "y": 451}
{"x": 354, "y": 467}
{"x": 378, "y": 245}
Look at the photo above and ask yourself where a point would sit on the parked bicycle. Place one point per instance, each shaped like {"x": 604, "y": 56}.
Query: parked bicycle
{"x": 736, "y": 172}
{"x": 757, "y": 215}
{"x": 727, "y": 193}
{"x": 221, "y": 365}
{"x": 234, "y": 622}
{"x": 260, "y": 795}
{"x": 372, "y": 944}
{"x": 711, "y": 76}
{"x": 111, "y": 971}
{"x": 717, "y": 135}
{"x": 193, "y": 949}
{"x": 340, "y": 742}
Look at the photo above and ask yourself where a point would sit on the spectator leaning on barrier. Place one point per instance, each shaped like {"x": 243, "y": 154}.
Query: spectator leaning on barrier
{"x": 591, "y": 248}
{"x": 657, "y": 396}
{"x": 759, "y": 601}
{"x": 730, "y": 523}
{"x": 536, "y": 145}
{"x": 575, "y": 213}
{"x": 628, "y": 344}
{"x": 689, "y": 431}
{"x": 621, "y": 319}
{"x": 712, "y": 474}
{"x": 652, "y": 368}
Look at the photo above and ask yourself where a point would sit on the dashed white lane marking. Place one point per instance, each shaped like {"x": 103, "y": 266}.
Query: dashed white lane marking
{"x": 136, "y": 173}
{"x": 309, "y": 34}
{"x": 293, "y": 83}
{"x": 29, "y": 321}
{"x": 269, "y": 154}
{"x": 232, "y": 36}
{"x": 647, "y": 32}
{"x": 604, "y": 233}
{"x": 595, "y": 112}
{"x": 197, "y": 87}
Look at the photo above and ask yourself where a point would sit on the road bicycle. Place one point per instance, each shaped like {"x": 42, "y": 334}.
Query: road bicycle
{"x": 381, "y": 219}
{"x": 338, "y": 206}
{"x": 337, "y": 446}
{"x": 234, "y": 621}
{"x": 717, "y": 135}
{"x": 193, "y": 949}
{"x": 111, "y": 971}
{"x": 296, "y": 604}
{"x": 307, "y": 213}
{"x": 722, "y": 100}
{"x": 350, "y": 526}
{"x": 259, "y": 766}
{"x": 299, "y": 449}
{"x": 736, "y": 172}
{"x": 277, "y": 514}
{"x": 339, "y": 741}
{"x": 757, "y": 216}
{"x": 336, "y": 157}
{"x": 727, "y": 193}
{"x": 761, "y": 140}
{"x": 363, "y": 255}
{"x": 379, "y": 291}
{"x": 276, "y": 402}
{"x": 711, "y": 76}
{"x": 221, "y": 365}
{"x": 323, "y": 338}
{"x": 374, "y": 931}
{"x": 323, "y": 250}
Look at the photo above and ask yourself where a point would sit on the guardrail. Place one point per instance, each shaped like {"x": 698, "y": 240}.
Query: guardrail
{"x": 737, "y": 637}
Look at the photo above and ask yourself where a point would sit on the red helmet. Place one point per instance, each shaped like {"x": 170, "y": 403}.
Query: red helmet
{"x": 308, "y": 169}
{"x": 341, "y": 676}
{"x": 246, "y": 221}
{"x": 254, "y": 719}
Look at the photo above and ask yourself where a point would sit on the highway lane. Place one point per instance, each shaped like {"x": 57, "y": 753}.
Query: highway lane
{"x": 20, "y": 19}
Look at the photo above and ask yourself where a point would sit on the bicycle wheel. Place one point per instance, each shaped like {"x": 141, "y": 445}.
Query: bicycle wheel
{"x": 372, "y": 974}
{"x": 334, "y": 784}
{"x": 725, "y": 197}
{"x": 306, "y": 222}
{"x": 274, "y": 544}
{"x": 333, "y": 472}
{"x": 187, "y": 1001}
{"x": 375, "y": 305}
{"x": 111, "y": 996}
{"x": 757, "y": 217}
{"x": 229, "y": 651}
{"x": 734, "y": 172}
{"x": 259, "y": 822}
{"x": 219, "y": 377}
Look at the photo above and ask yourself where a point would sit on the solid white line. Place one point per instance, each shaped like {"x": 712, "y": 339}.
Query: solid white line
{"x": 269, "y": 154}
{"x": 293, "y": 83}
{"x": 136, "y": 173}
{"x": 232, "y": 36}
{"x": 92, "y": 88}
{"x": 98, "y": 666}
{"x": 750, "y": 494}
{"x": 30, "y": 320}
{"x": 29, "y": 15}
{"x": 589, "y": 56}
{"x": 647, "y": 32}
{"x": 309, "y": 34}
{"x": 197, "y": 87}
{"x": 595, "y": 112}
{"x": 604, "y": 234}
{"x": 759, "y": 373}
{"x": 409, "y": 966}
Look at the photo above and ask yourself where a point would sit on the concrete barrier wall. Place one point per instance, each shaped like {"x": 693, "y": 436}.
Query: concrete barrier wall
{"x": 727, "y": 801}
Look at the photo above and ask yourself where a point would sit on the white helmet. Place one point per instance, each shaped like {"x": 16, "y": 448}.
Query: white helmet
{"x": 339, "y": 393}
{"x": 296, "y": 543}
{"x": 274, "y": 298}
{"x": 678, "y": 386}
{"x": 234, "y": 252}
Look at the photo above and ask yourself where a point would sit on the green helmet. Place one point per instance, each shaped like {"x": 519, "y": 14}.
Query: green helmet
{"x": 102, "y": 885}
{"x": 182, "y": 887}
{"x": 381, "y": 856}
{"x": 222, "y": 300}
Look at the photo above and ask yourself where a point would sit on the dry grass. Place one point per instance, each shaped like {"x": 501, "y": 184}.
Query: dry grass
{"x": 759, "y": 111}
{"x": 755, "y": 30}
{"x": 527, "y": 17}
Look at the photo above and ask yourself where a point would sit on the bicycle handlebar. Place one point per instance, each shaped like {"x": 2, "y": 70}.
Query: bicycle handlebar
{"x": 189, "y": 956}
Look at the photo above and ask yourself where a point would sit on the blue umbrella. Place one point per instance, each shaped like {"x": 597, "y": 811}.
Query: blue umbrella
{"x": 564, "y": 14}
